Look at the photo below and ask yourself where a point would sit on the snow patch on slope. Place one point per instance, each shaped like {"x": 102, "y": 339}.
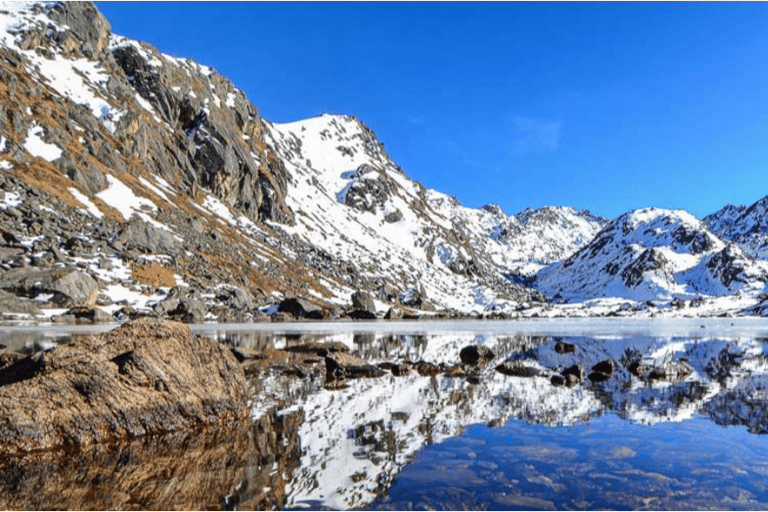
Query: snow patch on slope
{"x": 119, "y": 196}
{"x": 36, "y": 146}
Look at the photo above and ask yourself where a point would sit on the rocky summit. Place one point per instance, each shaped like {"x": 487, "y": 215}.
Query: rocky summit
{"x": 135, "y": 183}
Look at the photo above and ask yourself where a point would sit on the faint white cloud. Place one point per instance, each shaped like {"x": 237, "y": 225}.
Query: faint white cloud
{"x": 468, "y": 158}
{"x": 416, "y": 120}
{"x": 534, "y": 135}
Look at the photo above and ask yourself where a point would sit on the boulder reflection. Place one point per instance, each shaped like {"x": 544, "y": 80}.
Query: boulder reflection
{"x": 311, "y": 446}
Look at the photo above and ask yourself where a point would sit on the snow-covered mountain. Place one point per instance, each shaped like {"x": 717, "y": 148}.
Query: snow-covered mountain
{"x": 161, "y": 162}
{"x": 525, "y": 242}
{"x": 746, "y": 226}
{"x": 138, "y": 182}
{"x": 345, "y": 188}
{"x": 651, "y": 254}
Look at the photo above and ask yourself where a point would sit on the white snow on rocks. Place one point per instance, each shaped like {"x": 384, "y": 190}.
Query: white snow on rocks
{"x": 354, "y": 203}
{"x": 36, "y": 146}
{"x": 89, "y": 205}
{"x": 648, "y": 254}
{"x": 119, "y": 196}
{"x": 10, "y": 200}
{"x": 117, "y": 41}
{"x": 80, "y": 80}
{"x": 154, "y": 188}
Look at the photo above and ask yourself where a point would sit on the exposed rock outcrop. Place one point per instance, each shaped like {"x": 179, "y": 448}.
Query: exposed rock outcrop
{"x": 147, "y": 377}
{"x": 67, "y": 286}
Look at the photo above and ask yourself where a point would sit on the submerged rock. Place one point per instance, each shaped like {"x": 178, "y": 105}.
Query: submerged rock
{"x": 426, "y": 369}
{"x": 476, "y": 354}
{"x": 671, "y": 371}
{"x": 517, "y": 369}
{"x": 561, "y": 347}
{"x": 398, "y": 370}
{"x": 602, "y": 371}
{"x": 156, "y": 473}
{"x": 340, "y": 365}
{"x": 573, "y": 375}
{"x": 147, "y": 377}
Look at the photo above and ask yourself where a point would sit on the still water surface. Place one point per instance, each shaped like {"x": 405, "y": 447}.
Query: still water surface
{"x": 482, "y": 440}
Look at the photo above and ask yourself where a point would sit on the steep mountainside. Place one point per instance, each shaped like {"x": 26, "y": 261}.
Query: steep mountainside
{"x": 748, "y": 227}
{"x": 358, "y": 208}
{"x": 650, "y": 254}
{"x": 141, "y": 182}
{"x": 525, "y": 242}
{"x": 144, "y": 183}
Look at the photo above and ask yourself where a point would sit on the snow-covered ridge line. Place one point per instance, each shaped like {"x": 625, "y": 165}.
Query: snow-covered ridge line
{"x": 650, "y": 254}
{"x": 169, "y": 160}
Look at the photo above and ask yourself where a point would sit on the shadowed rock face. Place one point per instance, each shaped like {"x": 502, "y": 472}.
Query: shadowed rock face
{"x": 148, "y": 377}
{"x": 169, "y": 473}
{"x": 245, "y": 467}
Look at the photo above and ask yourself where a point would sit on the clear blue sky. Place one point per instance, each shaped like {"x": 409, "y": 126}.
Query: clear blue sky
{"x": 606, "y": 106}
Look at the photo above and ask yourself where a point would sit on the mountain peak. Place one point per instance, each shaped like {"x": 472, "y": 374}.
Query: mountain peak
{"x": 145, "y": 173}
{"x": 652, "y": 253}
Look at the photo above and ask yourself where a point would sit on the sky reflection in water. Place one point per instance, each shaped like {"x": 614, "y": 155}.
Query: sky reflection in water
{"x": 493, "y": 441}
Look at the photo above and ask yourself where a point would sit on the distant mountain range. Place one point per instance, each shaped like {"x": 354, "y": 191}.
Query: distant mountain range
{"x": 136, "y": 182}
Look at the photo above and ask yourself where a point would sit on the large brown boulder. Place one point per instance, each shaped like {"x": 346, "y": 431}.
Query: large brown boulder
{"x": 147, "y": 377}
{"x": 68, "y": 287}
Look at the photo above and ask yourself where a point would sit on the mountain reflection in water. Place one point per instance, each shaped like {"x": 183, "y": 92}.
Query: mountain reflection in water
{"x": 647, "y": 437}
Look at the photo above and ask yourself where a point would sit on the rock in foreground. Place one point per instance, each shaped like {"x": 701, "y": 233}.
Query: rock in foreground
{"x": 147, "y": 377}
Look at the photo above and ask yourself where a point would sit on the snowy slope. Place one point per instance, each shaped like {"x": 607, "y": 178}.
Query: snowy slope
{"x": 748, "y": 227}
{"x": 525, "y": 242}
{"x": 652, "y": 253}
{"x": 354, "y": 203}
{"x": 721, "y": 222}
{"x": 318, "y": 195}
{"x": 150, "y": 158}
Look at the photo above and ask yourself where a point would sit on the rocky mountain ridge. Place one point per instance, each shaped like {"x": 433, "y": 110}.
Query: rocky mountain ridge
{"x": 654, "y": 254}
{"x": 745, "y": 226}
{"x": 142, "y": 183}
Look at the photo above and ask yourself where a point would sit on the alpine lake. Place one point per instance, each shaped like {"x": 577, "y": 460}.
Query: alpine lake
{"x": 677, "y": 421}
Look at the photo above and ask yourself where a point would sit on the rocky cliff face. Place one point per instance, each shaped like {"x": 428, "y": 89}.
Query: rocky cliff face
{"x": 156, "y": 178}
{"x": 745, "y": 226}
{"x": 142, "y": 183}
{"x": 115, "y": 157}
